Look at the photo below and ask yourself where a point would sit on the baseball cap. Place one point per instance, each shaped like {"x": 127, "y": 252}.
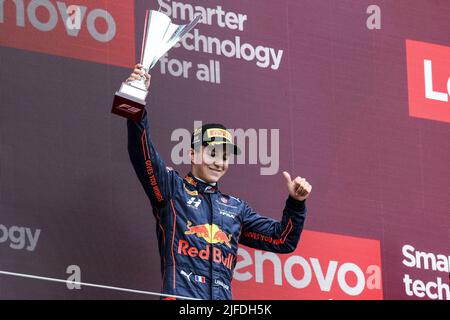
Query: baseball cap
{"x": 214, "y": 134}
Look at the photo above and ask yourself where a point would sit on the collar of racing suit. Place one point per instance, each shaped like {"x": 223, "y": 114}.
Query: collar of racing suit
{"x": 200, "y": 185}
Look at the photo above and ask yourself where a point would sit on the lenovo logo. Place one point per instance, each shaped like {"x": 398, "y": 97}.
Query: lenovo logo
{"x": 430, "y": 93}
{"x": 91, "y": 30}
{"x": 324, "y": 266}
{"x": 428, "y": 80}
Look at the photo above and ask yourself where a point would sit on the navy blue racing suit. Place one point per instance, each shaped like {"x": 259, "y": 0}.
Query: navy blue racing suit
{"x": 199, "y": 228}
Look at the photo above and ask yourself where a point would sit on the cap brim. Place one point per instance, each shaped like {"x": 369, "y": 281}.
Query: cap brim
{"x": 230, "y": 146}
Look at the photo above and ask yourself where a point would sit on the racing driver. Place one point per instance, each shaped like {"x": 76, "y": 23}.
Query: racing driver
{"x": 198, "y": 227}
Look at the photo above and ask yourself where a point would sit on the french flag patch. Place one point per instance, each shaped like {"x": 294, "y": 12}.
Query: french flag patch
{"x": 199, "y": 279}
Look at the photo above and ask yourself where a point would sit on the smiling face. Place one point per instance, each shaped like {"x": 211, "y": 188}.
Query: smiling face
{"x": 209, "y": 163}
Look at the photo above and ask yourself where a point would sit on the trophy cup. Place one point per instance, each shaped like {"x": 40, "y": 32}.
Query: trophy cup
{"x": 160, "y": 35}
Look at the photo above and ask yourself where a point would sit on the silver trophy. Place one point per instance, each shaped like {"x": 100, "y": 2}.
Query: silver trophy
{"x": 160, "y": 35}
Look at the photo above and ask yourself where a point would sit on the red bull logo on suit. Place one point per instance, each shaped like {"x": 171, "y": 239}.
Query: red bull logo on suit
{"x": 211, "y": 234}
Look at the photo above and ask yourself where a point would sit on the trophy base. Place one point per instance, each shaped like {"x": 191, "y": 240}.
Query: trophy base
{"x": 128, "y": 106}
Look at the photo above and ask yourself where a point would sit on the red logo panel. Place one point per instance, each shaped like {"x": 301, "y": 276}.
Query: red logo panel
{"x": 94, "y": 30}
{"x": 428, "y": 80}
{"x": 324, "y": 266}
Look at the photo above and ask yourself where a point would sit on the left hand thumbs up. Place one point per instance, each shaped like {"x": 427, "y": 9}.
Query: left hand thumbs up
{"x": 298, "y": 188}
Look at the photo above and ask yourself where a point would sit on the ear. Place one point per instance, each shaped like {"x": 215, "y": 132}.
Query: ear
{"x": 192, "y": 155}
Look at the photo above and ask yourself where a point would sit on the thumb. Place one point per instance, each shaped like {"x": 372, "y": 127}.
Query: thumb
{"x": 287, "y": 177}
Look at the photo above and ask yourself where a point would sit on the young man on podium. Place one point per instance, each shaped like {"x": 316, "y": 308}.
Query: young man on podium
{"x": 199, "y": 228}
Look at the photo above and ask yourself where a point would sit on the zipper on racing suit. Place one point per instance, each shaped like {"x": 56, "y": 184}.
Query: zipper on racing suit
{"x": 208, "y": 200}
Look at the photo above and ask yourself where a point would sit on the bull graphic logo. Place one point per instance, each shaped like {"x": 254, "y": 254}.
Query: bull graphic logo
{"x": 210, "y": 233}
{"x": 201, "y": 231}
{"x": 222, "y": 237}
